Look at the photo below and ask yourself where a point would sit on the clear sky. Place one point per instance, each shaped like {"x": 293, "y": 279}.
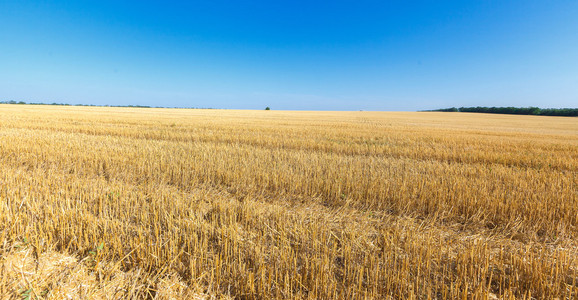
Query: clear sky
{"x": 313, "y": 55}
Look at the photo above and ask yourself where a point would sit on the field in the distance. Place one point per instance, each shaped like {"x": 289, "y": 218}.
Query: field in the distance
{"x": 119, "y": 203}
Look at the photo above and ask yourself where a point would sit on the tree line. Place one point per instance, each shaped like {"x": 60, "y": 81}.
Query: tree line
{"x": 66, "y": 104}
{"x": 566, "y": 112}
{"x": 94, "y": 105}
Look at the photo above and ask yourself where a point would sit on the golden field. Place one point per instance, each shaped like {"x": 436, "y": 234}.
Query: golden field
{"x": 114, "y": 203}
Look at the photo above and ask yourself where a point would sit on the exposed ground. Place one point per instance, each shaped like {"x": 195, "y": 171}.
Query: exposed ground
{"x": 116, "y": 203}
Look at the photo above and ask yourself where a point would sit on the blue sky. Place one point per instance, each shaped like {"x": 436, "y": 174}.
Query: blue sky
{"x": 296, "y": 55}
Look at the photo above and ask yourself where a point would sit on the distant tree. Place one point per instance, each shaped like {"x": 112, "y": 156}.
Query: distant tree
{"x": 267, "y": 108}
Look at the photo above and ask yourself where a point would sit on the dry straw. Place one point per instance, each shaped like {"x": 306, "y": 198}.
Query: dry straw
{"x": 116, "y": 203}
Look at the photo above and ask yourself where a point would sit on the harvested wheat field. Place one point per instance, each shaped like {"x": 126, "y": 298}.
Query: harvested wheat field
{"x": 114, "y": 203}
